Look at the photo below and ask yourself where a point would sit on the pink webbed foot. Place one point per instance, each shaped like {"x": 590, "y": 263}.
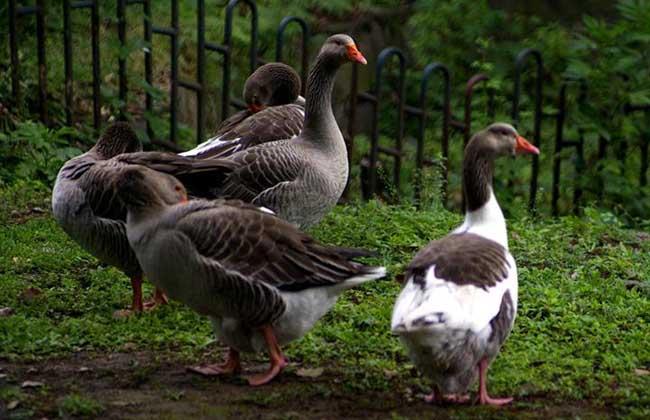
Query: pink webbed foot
{"x": 278, "y": 361}
{"x": 230, "y": 366}
{"x": 437, "y": 397}
{"x": 159, "y": 298}
{"x": 483, "y": 397}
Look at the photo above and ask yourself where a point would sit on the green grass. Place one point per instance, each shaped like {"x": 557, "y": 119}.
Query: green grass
{"x": 580, "y": 333}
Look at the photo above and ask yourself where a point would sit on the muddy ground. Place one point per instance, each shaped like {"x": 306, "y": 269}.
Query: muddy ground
{"x": 145, "y": 385}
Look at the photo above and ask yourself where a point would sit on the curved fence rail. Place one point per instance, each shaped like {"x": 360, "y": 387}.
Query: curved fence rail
{"x": 430, "y": 101}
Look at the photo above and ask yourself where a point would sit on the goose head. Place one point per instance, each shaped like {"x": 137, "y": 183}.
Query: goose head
{"x": 141, "y": 188}
{"x": 341, "y": 48}
{"x": 270, "y": 85}
{"x": 117, "y": 139}
{"x": 502, "y": 139}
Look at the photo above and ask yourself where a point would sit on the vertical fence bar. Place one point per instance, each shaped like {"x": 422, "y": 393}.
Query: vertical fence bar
{"x": 148, "y": 66}
{"x": 173, "y": 94}
{"x": 429, "y": 70}
{"x": 557, "y": 158}
{"x": 383, "y": 57}
{"x": 67, "y": 62}
{"x": 200, "y": 72}
{"x": 96, "y": 66}
{"x": 279, "y": 47}
{"x": 352, "y": 115}
{"x": 227, "y": 53}
{"x": 643, "y": 175}
{"x": 469, "y": 96}
{"x": 121, "y": 30}
{"x": 13, "y": 46}
{"x": 42, "y": 63}
{"x": 519, "y": 63}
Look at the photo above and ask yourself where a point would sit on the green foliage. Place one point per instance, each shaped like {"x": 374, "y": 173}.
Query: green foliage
{"x": 580, "y": 333}
{"x": 34, "y": 152}
{"x": 75, "y": 405}
{"x": 611, "y": 56}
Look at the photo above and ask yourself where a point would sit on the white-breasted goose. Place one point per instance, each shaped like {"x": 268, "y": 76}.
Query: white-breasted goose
{"x": 459, "y": 301}
{"x": 84, "y": 204}
{"x": 303, "y": 178}
{"x": 262, "y": 282}
{"x": 275, "y": 112}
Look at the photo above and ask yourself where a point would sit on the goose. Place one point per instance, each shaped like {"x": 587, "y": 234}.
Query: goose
{"x": 275, "y": 111}
{"x": 303, "y": 178}
{"x": 85, "y": 207}
{"x": 459, "y": 300}
{"x": 260, "y": 280}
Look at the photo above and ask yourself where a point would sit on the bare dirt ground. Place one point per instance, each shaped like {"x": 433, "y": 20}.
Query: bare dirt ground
{"x": 145, "y": 385}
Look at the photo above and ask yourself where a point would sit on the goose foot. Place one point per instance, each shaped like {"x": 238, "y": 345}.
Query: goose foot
{"x": 278, "y": 362}
{"x": 483, "y": 397}
{"x": 230, "y": 366}
{"x": 136, "y": 304}
{"x": 437, "y": 397}
{"x": 159, "y": 298}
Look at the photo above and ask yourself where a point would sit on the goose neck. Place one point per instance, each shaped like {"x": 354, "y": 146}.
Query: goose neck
{"x": 319, "y": 117}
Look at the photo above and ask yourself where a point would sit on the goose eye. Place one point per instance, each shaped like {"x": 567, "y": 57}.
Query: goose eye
{"x": 177, "y": 188}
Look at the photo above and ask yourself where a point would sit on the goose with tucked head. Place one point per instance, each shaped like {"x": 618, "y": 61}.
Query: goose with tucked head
{"x": 459, "y": 300}
{"x": 275, "y": 111}
{"x": 84, "y": 204}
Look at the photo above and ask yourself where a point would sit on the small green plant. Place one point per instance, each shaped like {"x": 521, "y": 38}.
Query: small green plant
{"x": 34, "y": 152}
{"x": 75, "y": 405}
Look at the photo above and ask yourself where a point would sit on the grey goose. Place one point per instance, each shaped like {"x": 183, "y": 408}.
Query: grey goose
{"x": 459, "y": 300}
{"x": 299, "y": 179}
{"x": 84, "y": 204}
{"x": 261, "y": 281}
{"x": 275, "y": 112}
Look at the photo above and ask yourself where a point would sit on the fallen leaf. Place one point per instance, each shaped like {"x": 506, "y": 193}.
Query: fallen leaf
{"x": 6, "y": 311}
{"x": 390, "y": 373}
{"x": 84, "y": 369}
{"x": 310, "y": 373}
{"x": 37, "y": 210}
{"x": 12, "y": 404}
{"x": 3, "y": 375}
{"x": 31, "y": 384}
{"x": 32, "y": 370}
{"x": 641, "y": 372}
{"x": 30, "y": 294}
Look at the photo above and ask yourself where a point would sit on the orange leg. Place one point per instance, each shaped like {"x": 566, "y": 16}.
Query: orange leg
{"x": 278, "y": 362}
{"x": 136, "y": 285}
{"x": 483, "y": 397}
{"x": 231, "y": 365}
{"x": 159, "y": 298}
{"x": 136, "y": 303}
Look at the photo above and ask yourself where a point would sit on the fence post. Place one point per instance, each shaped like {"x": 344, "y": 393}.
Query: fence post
{"x": 279, "y": 46}
{"x": 121, "y": 31}
{"x": 396, "y": 152}
{"x": 429, "y": 70}
{"x": 519, "y": 63}
{"x": 227, "y": 53}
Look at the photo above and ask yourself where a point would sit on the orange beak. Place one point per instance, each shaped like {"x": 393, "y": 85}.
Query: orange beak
{"x": 524, "y": 146}
{"x": 355, "y": 55}
{"x": 255, "y": 108}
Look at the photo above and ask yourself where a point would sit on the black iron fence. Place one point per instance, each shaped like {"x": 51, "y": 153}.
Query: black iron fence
{"x": 423, "y": 111}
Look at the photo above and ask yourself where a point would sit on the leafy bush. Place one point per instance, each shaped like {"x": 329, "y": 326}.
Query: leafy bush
{"x": 34, "y": 152}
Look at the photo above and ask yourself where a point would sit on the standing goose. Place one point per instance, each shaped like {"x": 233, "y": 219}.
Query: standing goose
{"x": 275, "y": 111}
{"x": 262, "y": 282}
{"x": 303, "y": 178}
{"x": 459, "y": 301}
{"x": 84, "y": 204}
